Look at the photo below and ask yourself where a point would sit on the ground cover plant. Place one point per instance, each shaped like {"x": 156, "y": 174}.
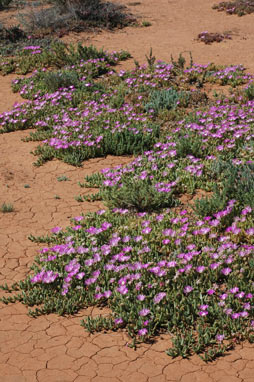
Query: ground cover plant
{"x": 160, "y": 266}
{"x": 157, "y": 272}
{"x": 82, "y": 109}
{"x": 13, "y": 40}
{"x": 238, "y": 7}
{"x": 209, "y": 37}
{"x": 4, "y": 4}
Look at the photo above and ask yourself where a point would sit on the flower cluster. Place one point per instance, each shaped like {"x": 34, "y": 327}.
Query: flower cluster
{"x": 151, "y": 271}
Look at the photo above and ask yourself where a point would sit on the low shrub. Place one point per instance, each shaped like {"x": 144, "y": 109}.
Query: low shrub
{"x": 209, "y": 38}
{"x": 75, "y": 15}
{"x": 238, "y": 7}
{"x": 166, "y": 100}
{"x": 6, "y": 207}
{"x": 232, "y": 182}
{"x": 4, "y": 4}
{"x": 167, "y": 272}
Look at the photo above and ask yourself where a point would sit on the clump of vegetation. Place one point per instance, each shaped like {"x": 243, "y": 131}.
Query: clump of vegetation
{"x": 4, "y": 4}
{"x": 231, "y": 182}
{"x": 62, "y": 178}
{"x": 166, "y": 100}
{"x": 208, "y": 37}
{"x": 56, "y": 54}
{"x": 75, "y": 15}
{"x": 6, "y": 207}
{"x": 146, "y": 23}
{"x": 238, "y": 7}
{"x": 158, "y": 266}
{"x": 156, "y": 272}
{"x": 11, "y": 34}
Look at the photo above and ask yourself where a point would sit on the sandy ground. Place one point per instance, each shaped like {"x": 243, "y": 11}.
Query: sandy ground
{"x": 54, "y": 348}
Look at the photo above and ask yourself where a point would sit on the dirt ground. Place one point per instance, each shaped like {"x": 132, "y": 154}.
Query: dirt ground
{"x": 53, "y": 348}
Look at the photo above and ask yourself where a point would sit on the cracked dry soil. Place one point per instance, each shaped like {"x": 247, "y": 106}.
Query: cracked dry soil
{"x": 53, "y": 348}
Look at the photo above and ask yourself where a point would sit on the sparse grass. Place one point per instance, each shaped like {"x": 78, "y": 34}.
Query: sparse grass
{"x": 146, "y": 23}
{"x": 6, "y": 208}
{"x": 62, "y": 178}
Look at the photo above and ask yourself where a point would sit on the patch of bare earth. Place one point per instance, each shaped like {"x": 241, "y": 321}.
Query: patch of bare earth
{"x": 53, "y": 348}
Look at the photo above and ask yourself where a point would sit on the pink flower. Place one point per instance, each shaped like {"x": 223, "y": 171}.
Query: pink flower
{"x": 220, "y": 337}
{"x": 188, "y": 289}
{"x": 226, "y": 271}
{"x": 142, "y": 332}
{"x": 203, "y": 313}
{"x": 56, "y": 229}
{"x": 144, "y": 312}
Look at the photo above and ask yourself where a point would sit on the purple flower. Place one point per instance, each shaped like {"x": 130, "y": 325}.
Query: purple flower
{"x": 122, "y": 289}
{"x": 250, "y": 231}
{"x": 203, "y": 313}
{"x": 146, "y": 230}
{"x": 240, "y": 295}
{"x": 188, "y": 289}
{"x": 97, "y": 296}
{"x": 226, "y": 271}
{"x": 118, "y": 321}
{"x": 214, "y": 266}
{"x": 80, "y": 275}
{"x": 107, "y": 293}
{"x": 200, "y": 269}
{"x": 159, "y": 297}
{"x": 246, "y": 210}
{"x": 142, "y": 332}
{"x": 210, "y": 292}
{"x": 234, "y": 290}
{"x": 141, "y": 297}
{"x": 144, "y": 312}
{"x": 56, "y": 229}
{"x": 203, "y": 307}
{"x": 220, "y": 337}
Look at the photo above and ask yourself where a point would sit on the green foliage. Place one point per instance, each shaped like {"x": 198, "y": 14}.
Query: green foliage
{"x": 6, "y": 207}
{"x": 62, "y": 178}
{"x": 97, "y": 324}
{"x": 146, "y": 23}
{"x": 56, "y": 54}
{"x": 139, "y": 195}
{"x": 122, "y": 143}
{"x": 190, "y": 144}
{"x": 56, "y": 80}
{"x": 11, "y": 35}
{"x": 165, "y": 100}
{"x": 236, "y": 182}
{"x": 4, "y": 4}
{"x": 150, "y": 59}
{"x": 249, "y": 92}
{"x": 238, "y": 7}
{"x": 175, "y": 310}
